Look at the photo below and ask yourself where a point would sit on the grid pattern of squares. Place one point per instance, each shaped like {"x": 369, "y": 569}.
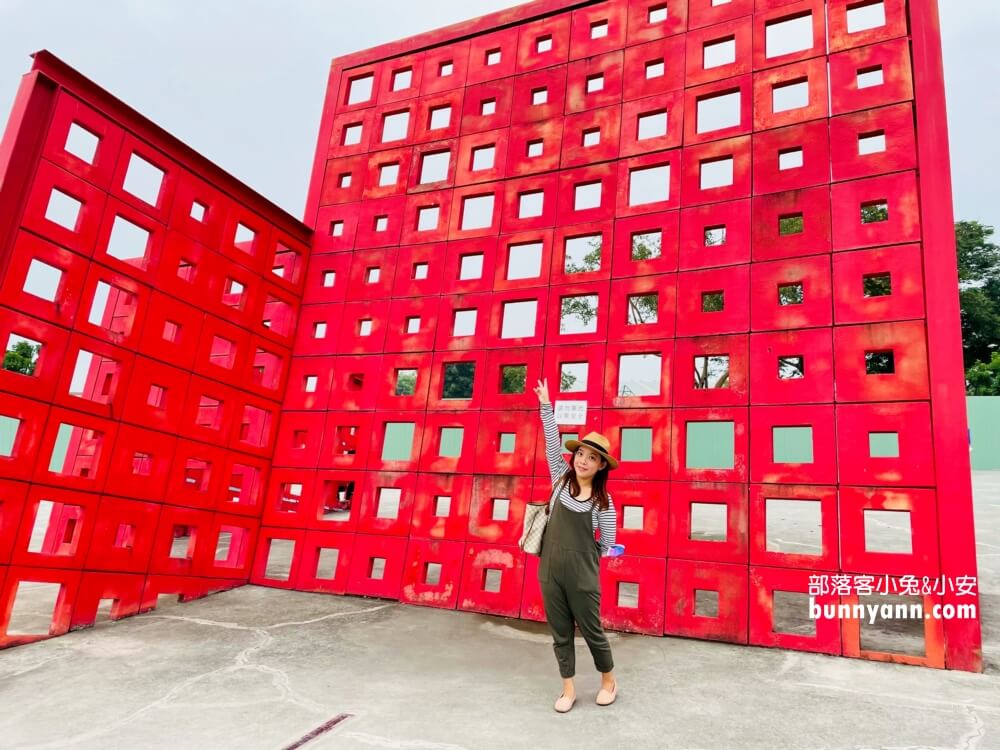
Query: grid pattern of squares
{"x": 696, "y": 216}
{"x": 147, "y": 317}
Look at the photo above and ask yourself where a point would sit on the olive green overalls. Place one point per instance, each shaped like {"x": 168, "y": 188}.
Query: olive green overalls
{"x": 569, "y": 573}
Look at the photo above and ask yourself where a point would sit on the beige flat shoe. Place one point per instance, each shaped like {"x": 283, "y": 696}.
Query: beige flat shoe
{"x": 564, "y": 704}
{"x": 607, "y": 697}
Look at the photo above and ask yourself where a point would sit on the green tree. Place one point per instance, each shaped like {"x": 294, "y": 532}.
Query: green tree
{"x": 979, "y": 293}
{"x": 983, "y": 379}
{"x": 22, "y": 358}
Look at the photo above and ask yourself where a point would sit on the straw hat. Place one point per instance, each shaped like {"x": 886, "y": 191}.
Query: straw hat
{"x": 598, "y": 442}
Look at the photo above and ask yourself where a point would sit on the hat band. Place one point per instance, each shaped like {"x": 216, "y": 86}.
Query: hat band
{"x": 599, "y": 447}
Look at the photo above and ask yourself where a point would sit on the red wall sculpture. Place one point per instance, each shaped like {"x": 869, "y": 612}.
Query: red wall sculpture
{"x": 753, "y": 196}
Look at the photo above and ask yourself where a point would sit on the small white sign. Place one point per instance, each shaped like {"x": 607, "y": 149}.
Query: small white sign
{"x": 571, "y": 412}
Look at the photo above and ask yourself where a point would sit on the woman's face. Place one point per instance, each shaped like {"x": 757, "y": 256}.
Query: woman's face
{"x": 587, "y": 462}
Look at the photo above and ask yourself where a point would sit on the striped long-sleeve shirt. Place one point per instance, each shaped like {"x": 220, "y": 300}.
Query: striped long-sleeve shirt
{"x": 606, "y": 520}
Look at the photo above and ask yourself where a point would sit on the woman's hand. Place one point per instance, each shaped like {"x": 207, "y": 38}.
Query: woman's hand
{"x": 542, "y": 391}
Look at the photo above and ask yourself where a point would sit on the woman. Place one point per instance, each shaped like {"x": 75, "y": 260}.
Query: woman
{"x": 569, "y": 569}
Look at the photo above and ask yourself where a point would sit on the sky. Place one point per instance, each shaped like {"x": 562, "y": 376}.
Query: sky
{"x": 243, "y": 81}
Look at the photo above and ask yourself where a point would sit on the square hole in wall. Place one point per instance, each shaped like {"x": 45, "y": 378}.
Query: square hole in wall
{"x": 539, "y": 96}
{"x": 419, "y": 271}
{"x": 706, "y": 603}
{"x": 791, "y": 367}
{"x": 483, "y": 157}
{"x": 791, "y": 224}
{"x": 888, "y": 531}
{"x": 21, "y": 355}
{"x": 651, "y": 125}
{"x": 388, "y": 502}
{"x": 63, "y": 209}
{"x": 432, "y": 574}
{"x": 360, "y": 89}
{"x": 633, "y": 517}
{"x": 649, "y": 185}
{"x": 587, "y": 195}
{"x": 81, "y": 143}
{"x": 642, "y": 309}
{"x": 714, "y": 236}
{"x": 709, "y": 522}
{"x": 471, "y": 267}
{"x": 326, "y": 564}
{"x": 336, "y": 228}
{"x": 398, "y": 443}
{"x": 352, "y": 135}
{"x": 376, "y": 568}
{"x": 573, "y": 377}
{"x": 434, "y": 166}
{"x": 451, "y": 442}
{"x": 445, "y": 69}
{"x": 33, "y": 608}
{"x": 790, "y": 613}
{"x": 637, "y": 443}
{"x": 789, "y": 96}
{"x": 716, "y": 173}
{"x": 388, "y": 174}
{"x": 402, "y": 79}
{"x": 508, "y": 440}
{"x": 279, "y": 559}
{"x": 583, "y": 254}
{"x": 791, "y": 294}
{"x": 394, "y": 126}
{"x": 143, "y": 180}
{"x": 595, "y": 83}
{"x": 459, "y": 380}
{"x": 406, "y": 382}
{"x": 488, "y": 107}
{"x": 874, "y": 212}
{"x": 788, "y": 35}
{"x": 477, "y": 211}
{"x": 656, "y": 13}
{"x": 543, "y": 44}
{"x": 500, "y": 509}
{"x": 628, "y": 595}
{"x": 640, "y": 374}
{"x": 42, "y": 280}
{"x": 381, "y": 223}
{"x": 655, "y": 69}
{"x": 442, "y": 506}
{"x": 440, "y": 117}
{"x": 319, "y": 330}
{"x": 877, "y": 285}
{"x": 790, "y": 158}
{"x": 530, "y": 204}
{"x": 427, "y": 218}
{"x": 870, "y": 77}
{"x": 713, "y": 301}
{"x": 865, "y": 15}
{"x": 491, "y": 580}
{"x": 518, "y": 319}
{"x": 372, "y": 275}
{"x": 128, "y": 242}
{"x": 524, "y": 261}
{"x": 344, "y": 180}
{"x": 792, "y": 445}
{"x": 198, "y": 211}
{"x": 598, "y": 29}
{"x": 710, "y": 445}
{"x": 711, "y": 371}
{"x": 718, "y": 111}
{"x": 646, "y": 245}
{"x": 880, "y": 362}
{"x": 871, "y": 143}
{"x": 883, "y": 445}
{"x": 591, "y": 137}
{"x": 493, "y": 57}
{"x": 8, "y": 434}
{"x": 413, "y": 325}
{"x": 793, "y": 526}
{"x": 465, "y": 323}
{"x": 513, "y": 379}
{"x": 578, "y": 314}
{"x": 719, "y": 52}
{"x": 534, "y": 149}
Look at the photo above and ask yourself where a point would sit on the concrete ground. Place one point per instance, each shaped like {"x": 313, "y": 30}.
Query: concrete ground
{"x": 263, "y": 668}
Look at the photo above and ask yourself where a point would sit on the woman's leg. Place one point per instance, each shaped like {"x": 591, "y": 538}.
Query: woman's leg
{"x": 586, "y": 609}
{"x": 560, "y": 619}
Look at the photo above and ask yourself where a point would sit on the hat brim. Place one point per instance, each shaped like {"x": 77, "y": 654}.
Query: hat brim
{"x": 572, "y": 445}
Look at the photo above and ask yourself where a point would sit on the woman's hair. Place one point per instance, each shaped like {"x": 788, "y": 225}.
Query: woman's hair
{"x": 599, "y": 488}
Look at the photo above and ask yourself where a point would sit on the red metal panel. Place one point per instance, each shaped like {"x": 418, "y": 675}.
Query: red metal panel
{"x": 910, "y": 422}
{"x": 617, "y": 392}
{"x": 595, "y": 81}
{"x": 686, "y": 542}
{"x": 314, "y": 563}
{"x": 495, "y": 395}
{"x": 716, "y": 234}
{"x": 644, "y": 25}
{"x": 432, "y": 573}
{"x": 791, "y": 367}
{"x": 738, "y": 31}
{"x": 588, "y": 38}
{"x": 894, "y": 124}
{"x": 31, "y": 254}
{"x": 763, "y": 583}
{"x": 377, "y": 564}
{"x": 12, "y": 497}
{"x": 492, "y": 55}
{"x": 650, "y": 68}
{"x": 647, "y": 535}
{"x": 476, "y": 593}
{"x": 774, "y": 166}
{"x": 441, "y": 508}
{"x": 383, "y": 510}
{"x": 649, "y": 575}
{"x": 346, "y": 437}
{"x": 230, "y": 549}
{"x": 631, "y": 318}
{"x": 920, "y": 508}
{"x": 904, "y": 378}
{"x": 493, "y": 430}
{"x": 284, "y": 575}
{"x": 841, "y": 37}
{"x": 791, "y": 294}
{"x": 821, "y": 468}
{"x": 196, "y": 475}
{"x": 469, "y": 169}
{"x": 646, "y": 244}
{"x": 658, "y": 422}
{"x": 534, "y": 147}
{"x": 539, "y": 95}
{"x": 300, "y": 436}
{"x": 124, "y": 590}
{"x": 67, "y": 520}
{"x": 876, "y": 211}
{"x": 41, "y": 383}
{"x": 889, "y": 59}
{"x": 682, "y": 418}
{"x": 693, "y": 385}
{"x": 669, "y": 185}
{"x": 669, "y": 107}
{"x": 181, "y": 536}
{"x": 697, "y": 189}
{"x": 496, "y": 510}
{"x": 69, "y": 583}
{"x": 788, "y": 10}
{"x": 123, "y": 535}
{"x": 700, "y": 308}
{"x": 776, "y": 552}
{"x": 70, "y": 111}
{"x": 768, "y": 113}
{"x": 684, "y": 578}
{"x": 791, "y": 224}
{"x": 140, "y": 463}
{"x": 543, "y": 43}
{"x": 436, "y": 399}
{"x": 50, "y": 180}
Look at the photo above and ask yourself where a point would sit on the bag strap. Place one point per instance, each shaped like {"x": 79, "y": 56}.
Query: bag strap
{"x": 555, "y": 492}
